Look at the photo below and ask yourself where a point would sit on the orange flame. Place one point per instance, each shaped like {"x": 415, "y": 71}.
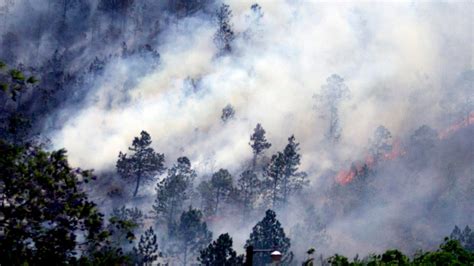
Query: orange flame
{"x": 461, "y": 124}
{"x": 345, "y": 176}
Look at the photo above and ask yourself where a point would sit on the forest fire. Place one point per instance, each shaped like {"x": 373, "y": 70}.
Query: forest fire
{"x": 453, "y": 128}
{"x": 345, "y": 176}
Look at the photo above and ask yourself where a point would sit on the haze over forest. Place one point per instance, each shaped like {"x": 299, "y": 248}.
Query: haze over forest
{"x": 352, "y": 120}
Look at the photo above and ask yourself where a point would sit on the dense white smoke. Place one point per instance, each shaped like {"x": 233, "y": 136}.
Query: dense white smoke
{"x": 398, "y": 59}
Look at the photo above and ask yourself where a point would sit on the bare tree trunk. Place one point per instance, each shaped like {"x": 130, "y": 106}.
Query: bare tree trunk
{"x": 136, "y": 187}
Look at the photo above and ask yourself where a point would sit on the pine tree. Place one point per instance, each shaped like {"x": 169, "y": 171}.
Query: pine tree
{"x": 227, "y": 113}
{"x": 282, "y": 176}
{"x": 248, "y": 187}
{"x": 380, "y": 144}
{"x": 44, "y": 209}
{"x": 216, "y": 191}
{"x": 189, "y": 236}
{"x": 224, "y": 35}
{"x": 147, "y": 249}
{"x": 293, "y": 180}
{"x": 143, "y": 165}
{"x": 268, "y": 234}
{"x": 122, "y": 224}
{"x": 465, "y": 237}
{"x": 259, "y": 143}
{"x": 328, "y": 102}
{"x": 220, "y": 252}
{"x": 173, "y": 191}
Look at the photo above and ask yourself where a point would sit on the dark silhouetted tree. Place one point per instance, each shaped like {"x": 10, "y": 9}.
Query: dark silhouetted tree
{"x": 450, "y": 252}
{"x": 173, "y": 191}
{"x": 14, "y": 82}
{"x": 259, "y": 143}
{"x": 328, "y": 103}
{"x": 249, "y": 187}
{"x": 220, "y": 252}
{"x": 189, "y": 236}
{"x": 216, "y": 191}
{"x": 465, "y": 237}
{"x": 421, "y": 145}
{"x": 269, "y": 234}
{"x": 381, "y": 143}
{"x": 224, "y": 35}
{"x": 227, "y": 113}
{"x": 459, "y": 101}
{"x": 122, "y": 224}
{"x": 43, "y": 209}
{"x": 147, "y": 248}
{"x": 143, "y": 165}
{"x": 282, "y": 176}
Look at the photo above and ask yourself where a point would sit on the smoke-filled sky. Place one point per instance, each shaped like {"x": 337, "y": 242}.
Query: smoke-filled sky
{"x": 399, "y": 60}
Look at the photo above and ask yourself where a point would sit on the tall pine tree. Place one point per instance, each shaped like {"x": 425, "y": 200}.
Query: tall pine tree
{"x": 189, "y": 236}
{"x": 143, "y": 165}
{"x": 224, "y": 35}
{"x": 220, "y": 252}
{"x": 282, "y": 176}
{"x": 248, "y": 187}
{"x": 268, "y": 234}
{"x": 259, "y": 143}
{"x": 147, "y": 249}
{"x": 173, "y": 191}
{"x": 216, "y": 191}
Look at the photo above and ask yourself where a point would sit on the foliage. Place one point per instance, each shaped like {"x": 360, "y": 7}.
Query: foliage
{"x": 450, "y": 253}
{"x": 268, "y": 234}
{"x": 216, "y": 191}
{"x": 122, "y": 223}
{"x": 465, "y": 237}
{"x": 173, "y": 191}
{"x": 259, "y": 143}
{"x": 227, "y": 113}
{"x": 248, "y": 187}
{"x": 380, "y": 143}
{"x": 189, "y": 235}
{"x": 43, "y": 210}
{"x": 14, "y": 82}
{"x": 148, "y": 248}
{"x": 224, "y": 35}
{"x": 328, "y": 103}
{"x": 282, "y": 176}
{"x": 220, "y": 252}
{"x": 143, "y": 165}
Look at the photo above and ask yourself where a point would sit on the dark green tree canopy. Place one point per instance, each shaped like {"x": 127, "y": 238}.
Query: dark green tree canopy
{"x": 224, "y": 35}
{"x": 268, "y": 234}
{"x": 147, "y": 249}
{"x": 173, "y": 191}
{"x": 43, "y": 210}
{"x": 465, "y": 237}
{"x": 328, "y": 103}
{"x": 216, "y": 191}
{"x": 189, "y": 235}
{"x": 380, "y": 143}
{"x": 282, "y": 176}
{"x": 143, "y": 165}
{"x": 258, "y": 141}
{"x": 248, "y": 187}
{"x": 228, "y": 113}
{"x": 122, "y": 224}
{"x": 220, "y": 252}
